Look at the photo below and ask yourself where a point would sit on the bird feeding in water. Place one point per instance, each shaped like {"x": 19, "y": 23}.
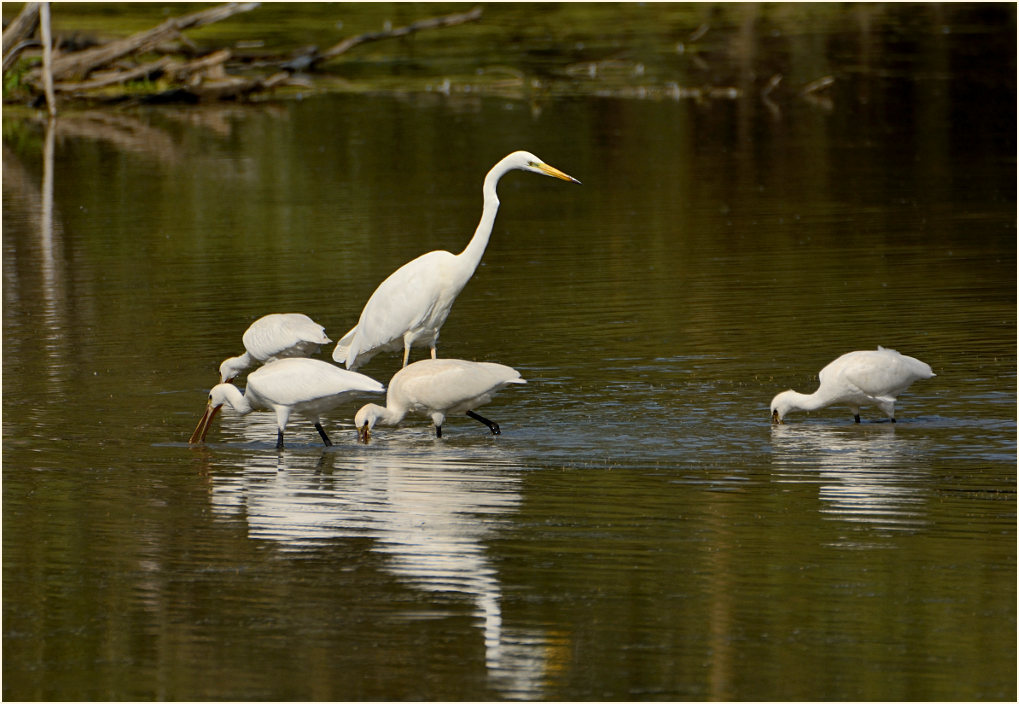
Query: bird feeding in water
{"x": 410, "y": 306}
{"x": 275, "y": 336}
{"x": 436, "y": 388}
{"x": 309, "y": 387}
{"x": 861, "y": 378}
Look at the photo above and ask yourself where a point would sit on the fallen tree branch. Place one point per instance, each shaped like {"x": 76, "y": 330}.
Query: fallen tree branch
{"x": 116, "y": 77}
{"x": 17, "y": 33}
{"x": 22, "y": 26}
{"x": 81, "y": 63}
{"x": 90, "y": 70}
{"x": 228, "y": 88}
{"x": 90, "y": 73}
{"x": 429, "y": 23}
{"x": 15, "y": 52}
{"x": 173, "y": 70}
{"x": 211, "y": 64}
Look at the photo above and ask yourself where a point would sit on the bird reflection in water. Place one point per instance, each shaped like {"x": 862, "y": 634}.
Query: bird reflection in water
{"x": 864, "y": 476}
{"x": 431, "y": 517}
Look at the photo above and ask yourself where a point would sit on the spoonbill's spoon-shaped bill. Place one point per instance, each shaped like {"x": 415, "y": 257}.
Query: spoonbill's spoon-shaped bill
{"x": 410, "y": 306}
{"x": 308, "y": 387}
{"x": 862, "y": 378}
{"x": 275, "y": 336}
{"x": 436, "y": 388}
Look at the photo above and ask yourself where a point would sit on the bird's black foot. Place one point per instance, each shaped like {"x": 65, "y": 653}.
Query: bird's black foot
{"x": 856, "y": 418}
{"x": 438, "y": 431}
{"x": 279, "y": 440}
{"x": 893, "y": 420}
{"x": 492, "y": 425}
{"x": 325, "y": 438}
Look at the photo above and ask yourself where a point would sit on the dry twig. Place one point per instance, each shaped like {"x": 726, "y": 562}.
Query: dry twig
{"x": 429, "y": 23}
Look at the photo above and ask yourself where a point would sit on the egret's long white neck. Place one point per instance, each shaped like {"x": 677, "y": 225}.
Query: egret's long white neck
{"x": 475, "y": 249}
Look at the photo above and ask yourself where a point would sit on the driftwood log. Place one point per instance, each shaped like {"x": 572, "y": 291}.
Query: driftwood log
{"x": 90, "y": 73}
{"x": 79, "y": 64}
{"x": 16, "y": 36}
{"x": 141, "y": 68}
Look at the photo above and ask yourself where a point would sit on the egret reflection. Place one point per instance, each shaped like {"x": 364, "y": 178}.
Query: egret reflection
{"x": 430, "y": 517}
{"x": 864, "y": 476}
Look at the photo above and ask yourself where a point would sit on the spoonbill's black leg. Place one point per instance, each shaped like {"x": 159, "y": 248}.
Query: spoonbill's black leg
{"x": 279, "y": 439}
{"x": 438, "y": 431}
{"x": 493, "y": 426}
{"x": 893, "y": 420}
{"x": 322, "y": 432}
{"x": 857, "y": 417}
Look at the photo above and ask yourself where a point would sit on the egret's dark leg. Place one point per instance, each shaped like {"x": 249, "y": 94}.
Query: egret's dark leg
{"x": 857, "y": 417}
{"x": 493, "y": 426}
{"x": 322, "y": 432}
{"x": 438, "y": 431}
{"x": 893, "y": 420}
{"x": 279, "y": 439}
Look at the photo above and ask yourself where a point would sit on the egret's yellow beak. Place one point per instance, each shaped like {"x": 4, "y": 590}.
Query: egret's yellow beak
{"x": 775, "y": 420}
{"x": 364, "y": 434}
{"x": 203, "y": 425}
{"x": 553, "y": 171}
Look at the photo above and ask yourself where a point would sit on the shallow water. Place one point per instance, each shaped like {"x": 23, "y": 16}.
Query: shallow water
{"x": 639, "y": 530}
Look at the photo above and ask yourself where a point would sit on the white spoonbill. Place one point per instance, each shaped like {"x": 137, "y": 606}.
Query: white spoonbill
{"x": 435, "y": 388}
{"x": 309, "y": 387}
{"x": 861, "y": 378}
{"x": 410, "y": 306}
{"x": 273, "y": 337}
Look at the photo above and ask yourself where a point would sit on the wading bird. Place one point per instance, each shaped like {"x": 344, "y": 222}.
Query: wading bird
{"x": 410, "y": 306}
{"x": 862, "y": 378}
{"x": 435, "y": 388}
{"x": 275, "y": 336}
{"x": 309, "y": 387}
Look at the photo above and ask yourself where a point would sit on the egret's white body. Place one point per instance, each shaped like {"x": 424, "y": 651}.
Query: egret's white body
{"x": 862, "y": 378}
{"x": 275, "y": 336}
{"x": 411, "y": 305}
{"x": 309, "y": 387}
{"x": 436, "y": 388}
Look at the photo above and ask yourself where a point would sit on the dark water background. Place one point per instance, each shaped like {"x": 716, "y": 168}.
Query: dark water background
{"x": 639, "y": 531}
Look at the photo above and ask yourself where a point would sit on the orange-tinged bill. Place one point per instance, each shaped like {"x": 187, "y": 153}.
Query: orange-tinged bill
{"x": 553, "y": 171}
{"x": 203, "y": 425}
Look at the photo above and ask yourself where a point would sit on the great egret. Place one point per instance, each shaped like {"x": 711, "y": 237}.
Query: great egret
{"x": 435, "y": 388}
{"x": 861, "y": 378}
{"x": 410, "y": 306}
{"x": 309, "y": 387}
{"x": 275, "y": 336}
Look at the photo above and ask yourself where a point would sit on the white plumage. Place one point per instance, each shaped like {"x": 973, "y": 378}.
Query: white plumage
{"x": 309, "y": 387}
{"x": 862, "y": 378}
{"x": 275, "y": 336}
{"x": 435, "y": 388}
{"x": 410, "y": 306}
